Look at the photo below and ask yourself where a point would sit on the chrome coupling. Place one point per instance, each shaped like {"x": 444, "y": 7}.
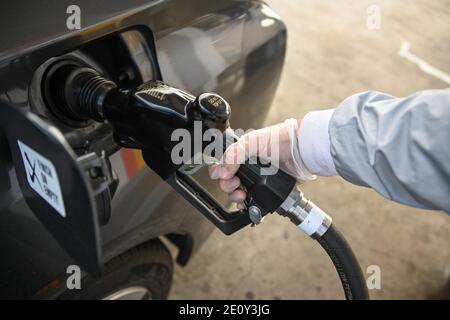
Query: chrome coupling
{"x": 305, "y": 214}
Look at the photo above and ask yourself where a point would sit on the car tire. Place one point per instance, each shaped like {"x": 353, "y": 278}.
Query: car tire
{"x": 144, "y": 272}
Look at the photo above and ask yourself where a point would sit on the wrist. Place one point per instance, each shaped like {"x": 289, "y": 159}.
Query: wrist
{"x": 314, "y": 143}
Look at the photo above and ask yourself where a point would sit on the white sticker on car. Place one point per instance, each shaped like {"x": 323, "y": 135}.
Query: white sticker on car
{"x": 42, "y": 177}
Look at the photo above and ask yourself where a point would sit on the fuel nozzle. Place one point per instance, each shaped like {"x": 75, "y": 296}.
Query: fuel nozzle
{"x": 147, "y": 116}
{"x": 85, "y": 94}
{"x": 144, "y": 117}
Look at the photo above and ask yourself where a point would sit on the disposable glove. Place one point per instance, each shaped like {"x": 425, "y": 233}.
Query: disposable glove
{"x": 278, "y": 144}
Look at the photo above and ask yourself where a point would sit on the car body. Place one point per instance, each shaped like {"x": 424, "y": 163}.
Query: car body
{"x": 234, "y": 48}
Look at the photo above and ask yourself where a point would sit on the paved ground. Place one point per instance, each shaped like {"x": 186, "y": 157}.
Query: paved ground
{"x": 332, "y": 54}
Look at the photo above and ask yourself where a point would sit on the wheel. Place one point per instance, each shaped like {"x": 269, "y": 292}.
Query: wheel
{"x": 142, "y": 273}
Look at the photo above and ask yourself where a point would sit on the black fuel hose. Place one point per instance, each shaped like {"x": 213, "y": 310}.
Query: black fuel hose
{"x": 347, "y": 267}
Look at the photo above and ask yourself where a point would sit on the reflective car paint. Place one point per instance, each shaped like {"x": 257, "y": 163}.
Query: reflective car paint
{"x": 235, "y": 48}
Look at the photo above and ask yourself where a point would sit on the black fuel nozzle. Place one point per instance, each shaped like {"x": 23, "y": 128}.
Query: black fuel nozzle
{"x": 146, "y": 118}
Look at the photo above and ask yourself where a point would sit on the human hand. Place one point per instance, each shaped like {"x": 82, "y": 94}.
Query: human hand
{"x": 277, "y": 144}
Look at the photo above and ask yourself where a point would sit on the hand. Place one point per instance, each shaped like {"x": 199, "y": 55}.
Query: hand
{"x": 277, "y": 144}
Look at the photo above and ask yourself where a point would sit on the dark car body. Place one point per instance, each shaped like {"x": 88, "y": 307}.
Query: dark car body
{"x": 234, "y": 48}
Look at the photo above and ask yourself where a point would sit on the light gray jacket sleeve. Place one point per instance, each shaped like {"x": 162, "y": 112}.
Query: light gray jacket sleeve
{"x": 399, "y": 147}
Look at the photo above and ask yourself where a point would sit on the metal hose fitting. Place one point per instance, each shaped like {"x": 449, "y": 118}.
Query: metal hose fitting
{"x": 305, "y": 214}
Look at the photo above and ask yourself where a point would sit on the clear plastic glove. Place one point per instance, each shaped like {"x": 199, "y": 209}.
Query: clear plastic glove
{"x": 277, "y": 144}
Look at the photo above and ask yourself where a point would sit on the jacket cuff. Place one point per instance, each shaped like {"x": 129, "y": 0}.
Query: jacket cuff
{"x": 314, "y": 143}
